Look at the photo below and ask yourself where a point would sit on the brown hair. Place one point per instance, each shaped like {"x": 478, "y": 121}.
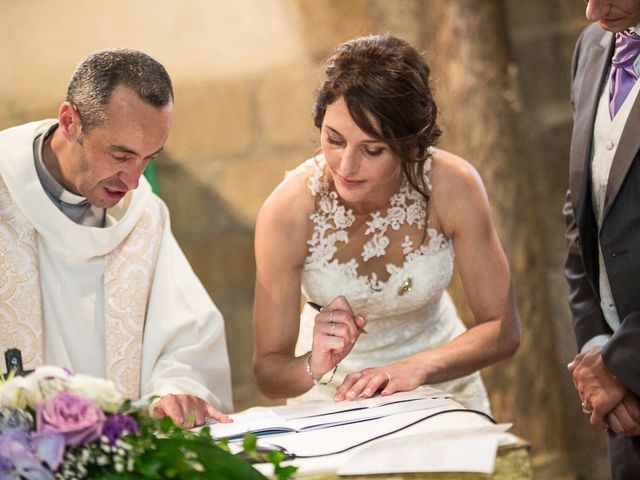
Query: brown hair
{"x": 386, "y": 78}
{"x": 98, "y": 75}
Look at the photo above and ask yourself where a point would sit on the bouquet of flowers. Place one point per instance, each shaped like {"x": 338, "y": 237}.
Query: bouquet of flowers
{"x": 57, "y": 425}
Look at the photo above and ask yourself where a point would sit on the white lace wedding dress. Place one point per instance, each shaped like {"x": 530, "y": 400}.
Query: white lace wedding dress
{"x": 391, "y": 269}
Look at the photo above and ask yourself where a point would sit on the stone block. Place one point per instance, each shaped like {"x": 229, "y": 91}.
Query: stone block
{"x": 195, "y": 206}
{"x": 222, "y": 261}
{"x": 285, "y": 100}
{"x": 330, "y": 22}
{"x": 212, "y": 118}
{"x": 244, "y": 185}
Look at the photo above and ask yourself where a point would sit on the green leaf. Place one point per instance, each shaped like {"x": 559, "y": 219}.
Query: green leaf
{"x": 284, "y": 473}
{"x": 275, "y": 456}
{"x": 250, "y": 443}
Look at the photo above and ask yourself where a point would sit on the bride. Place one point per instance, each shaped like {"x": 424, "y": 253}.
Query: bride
{"x": 370, "y": 228}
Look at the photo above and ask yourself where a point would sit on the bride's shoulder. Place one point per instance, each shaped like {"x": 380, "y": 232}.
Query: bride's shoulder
{"x": 450, "y": 174}
{"x": 457, "y": 191}
{"x": 292, "y": 199}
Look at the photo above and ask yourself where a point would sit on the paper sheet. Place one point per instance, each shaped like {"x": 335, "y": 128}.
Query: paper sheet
{"x": 335, "y": 439}
{"x": 450, "y": 432}
{"x": 263, "y": 421}
{"x": 324, "y": 407}
{"x": 470, "y": 452}
{"x": 452, "y": 439}
{"x": 352, "y": 416}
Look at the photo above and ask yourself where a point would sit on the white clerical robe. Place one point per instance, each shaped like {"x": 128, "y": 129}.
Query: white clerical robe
{"x": 91, "y": 284}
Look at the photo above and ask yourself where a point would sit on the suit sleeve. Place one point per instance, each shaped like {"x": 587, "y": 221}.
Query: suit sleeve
{"x": 621, "y": 354}
{"x": 588, "y": 320}
{"x": 587, "y": 317}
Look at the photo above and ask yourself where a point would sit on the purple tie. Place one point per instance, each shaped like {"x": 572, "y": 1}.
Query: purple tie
{"x": 623, "y": 75}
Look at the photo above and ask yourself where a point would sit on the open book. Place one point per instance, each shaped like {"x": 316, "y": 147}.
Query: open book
{"x": 263, "y": 421}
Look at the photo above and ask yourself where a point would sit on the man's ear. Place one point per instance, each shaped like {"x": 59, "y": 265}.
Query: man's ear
{"x": 69, "y": 121}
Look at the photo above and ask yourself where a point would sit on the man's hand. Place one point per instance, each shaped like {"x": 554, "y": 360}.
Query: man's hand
{"x": 599, "y": 390}
{"x": 624, "y": 419}
{"x": 186, "y": 410}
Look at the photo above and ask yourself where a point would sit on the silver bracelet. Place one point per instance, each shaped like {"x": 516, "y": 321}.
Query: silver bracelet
{"x": 313, "y": 379}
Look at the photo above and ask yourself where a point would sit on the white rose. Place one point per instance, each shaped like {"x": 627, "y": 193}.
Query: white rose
{"x": 103, "y": 392}
{"x": 46, "y": 381}
{"x": 15, "y": 393}
{"x": 39, "y": 385}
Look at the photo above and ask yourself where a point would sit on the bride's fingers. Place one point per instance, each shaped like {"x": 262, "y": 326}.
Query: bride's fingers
{"x": 348, "y": 381}
{"x": 344, "y": 322}
{"x": 376, "y": 382}
{"x": 367, "y": 385}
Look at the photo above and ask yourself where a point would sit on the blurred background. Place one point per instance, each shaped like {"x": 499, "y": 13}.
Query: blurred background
{"x": 244, "y": 74}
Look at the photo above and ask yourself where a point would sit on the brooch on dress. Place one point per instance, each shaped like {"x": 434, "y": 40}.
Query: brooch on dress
{"x": 406, "y": 286}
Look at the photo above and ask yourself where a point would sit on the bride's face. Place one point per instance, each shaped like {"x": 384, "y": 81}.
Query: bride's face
{"x": 365, "y": 171}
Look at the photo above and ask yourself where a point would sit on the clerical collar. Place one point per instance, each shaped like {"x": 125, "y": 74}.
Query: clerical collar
{"x": 74, "y": 206}
{"x": 67, "y": 197}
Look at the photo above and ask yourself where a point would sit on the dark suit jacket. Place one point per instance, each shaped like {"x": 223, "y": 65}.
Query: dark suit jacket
{"x": 619, "y": 235}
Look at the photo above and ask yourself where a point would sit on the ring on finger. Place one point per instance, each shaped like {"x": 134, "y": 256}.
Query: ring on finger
{"x": 388, "y": 376}
{"x": 333, "y": 329}
{"x": 585, "y": 408}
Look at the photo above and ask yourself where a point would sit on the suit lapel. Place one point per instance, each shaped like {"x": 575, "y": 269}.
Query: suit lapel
{"x": 591, "y": 78}
{"x": 626, "y": 151}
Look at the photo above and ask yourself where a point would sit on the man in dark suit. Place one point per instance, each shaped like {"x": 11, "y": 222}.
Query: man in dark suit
{"x": 603, "y": 227}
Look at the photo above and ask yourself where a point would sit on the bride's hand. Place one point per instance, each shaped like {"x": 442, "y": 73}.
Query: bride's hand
{"x": 397, "y": 377}
{"x": 335, "y": 332}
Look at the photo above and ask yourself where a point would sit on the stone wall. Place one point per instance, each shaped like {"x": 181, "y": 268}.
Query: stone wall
{"x": 244, "y": 75}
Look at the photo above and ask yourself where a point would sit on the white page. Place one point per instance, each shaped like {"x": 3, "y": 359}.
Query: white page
{"x": 321, "y": 441}
{"x": 435, "y": 452}
{"x": 258, "y": 419}
{"x": 334, "y": 463}
{"x": 450, "y": 425}
{"x": 264, "y": 421}
{"x": 352, "y": 416}
{"x": 323, "y": 407}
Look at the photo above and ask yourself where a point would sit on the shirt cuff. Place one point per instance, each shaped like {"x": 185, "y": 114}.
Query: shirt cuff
{"x": 597, "y": 341}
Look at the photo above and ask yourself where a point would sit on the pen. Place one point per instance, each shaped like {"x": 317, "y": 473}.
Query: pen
{"x": 319, "y": 308}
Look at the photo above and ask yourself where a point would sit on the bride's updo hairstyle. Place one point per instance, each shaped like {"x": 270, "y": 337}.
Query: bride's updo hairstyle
{"x": 383, "y": 78}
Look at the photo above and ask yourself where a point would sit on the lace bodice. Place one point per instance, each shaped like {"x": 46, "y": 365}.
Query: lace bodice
{"x": 386, "y": 262}
{"x": 393, "y": 268}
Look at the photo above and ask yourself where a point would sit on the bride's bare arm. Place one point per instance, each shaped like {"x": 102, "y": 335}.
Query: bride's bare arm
{"x": 460, "y": 209}
{"x": 280, "y": 250}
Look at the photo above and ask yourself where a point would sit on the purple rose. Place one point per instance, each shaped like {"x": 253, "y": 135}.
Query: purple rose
{"x": 117, "y": 425}
{"x": 77, "y": 418}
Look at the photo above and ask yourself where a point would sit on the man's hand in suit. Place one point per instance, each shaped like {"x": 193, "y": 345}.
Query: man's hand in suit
{"x": 599, "y": 390}
{"x": 624, "y": 419}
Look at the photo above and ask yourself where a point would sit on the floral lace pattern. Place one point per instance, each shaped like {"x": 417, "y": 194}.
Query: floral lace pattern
{"x": 332, "y": 219}
{"x": 410, "y": 311}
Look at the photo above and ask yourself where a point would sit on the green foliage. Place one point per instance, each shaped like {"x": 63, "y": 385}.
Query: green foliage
{"x": 163, "y": 450}
{"x": 169, "y": 451}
